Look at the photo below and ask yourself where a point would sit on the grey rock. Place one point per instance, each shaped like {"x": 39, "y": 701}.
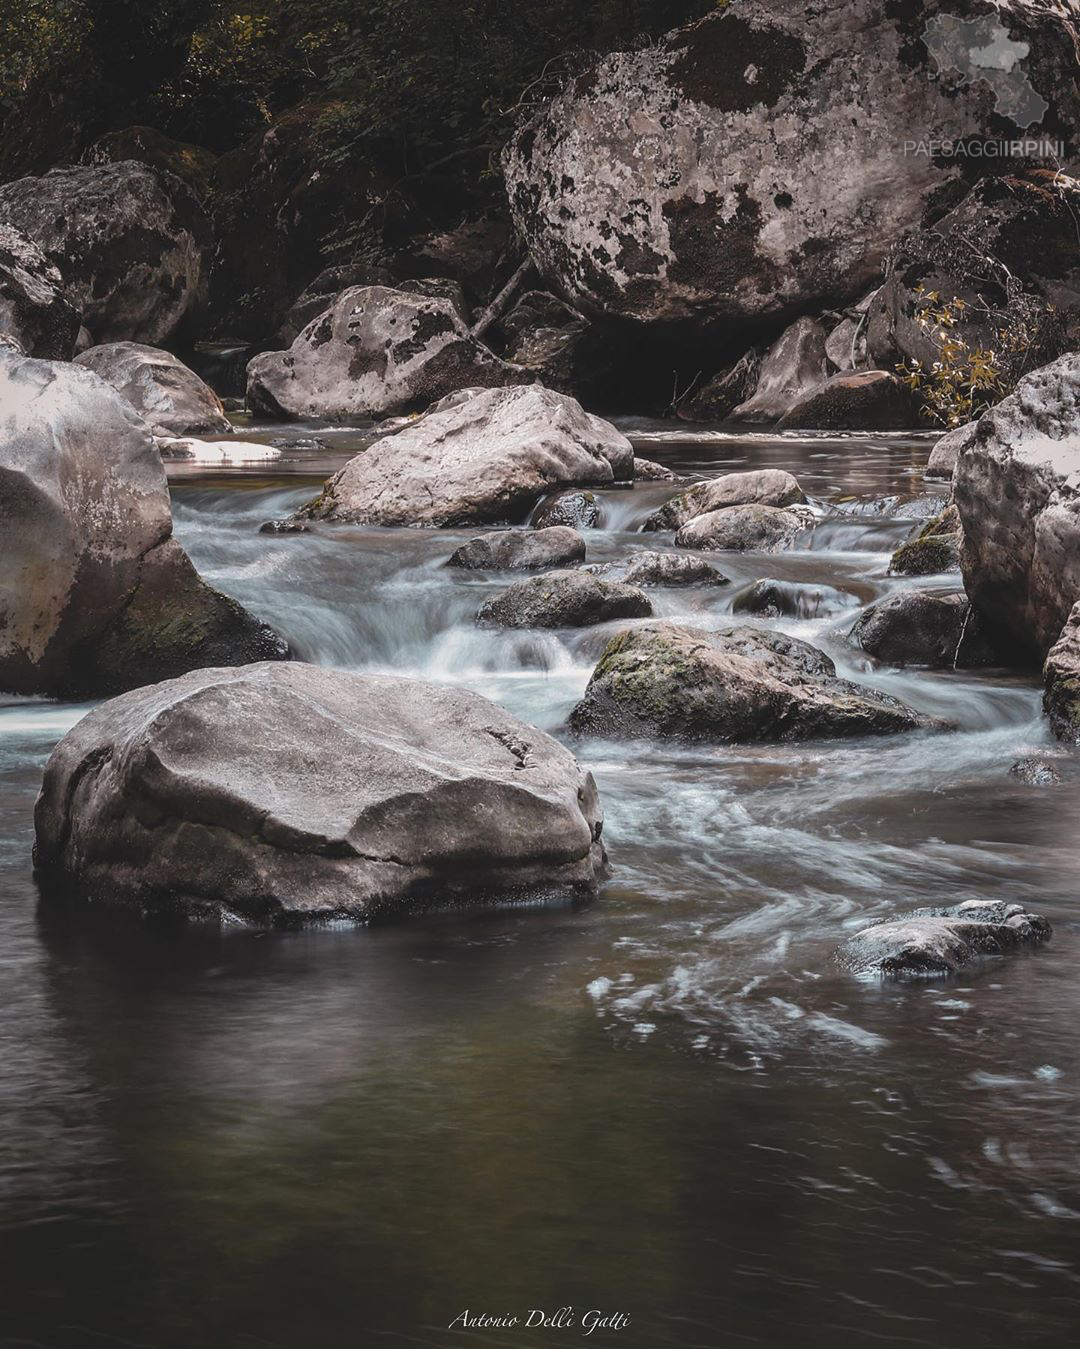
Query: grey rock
{"x": 742, "y": 685}
{"x": 318, "y": 296}
{"x": 172, "y": 398}
{"x": 942, "y": 940}
{"x": 931, "y": 628}
{"x": 1035, "y": 773}
{"x": 578, "y": 510}
{"x": 647, "y": 470}
{"x": 374, "y": 352}
{"x": 660, "y": 569}
{"x": 476, "y": 458}
{"x": 95, "y": 594}
{"x": 521, "y": 550}
{"x": 762, "y": 487}
{"x": 791, "y": 369}
{"x": 863, "y": 400}
{"x": 131, "y": 244}
{"x": 290, "y": 794}
{"x": 563, "y": 599}
{"x": 776, "y": 599}
{"x": 34, "y": 308}
{"x": 845, "y": 345}
{"x": 943, "y": 456}
{"x": 745, "y": 529}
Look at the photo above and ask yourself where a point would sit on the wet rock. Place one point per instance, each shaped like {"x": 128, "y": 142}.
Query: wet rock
{"x": 660, "y": 569}
{"x": 925, "y": 627}
{"x": 376, "y": 351}
{"x": 942, "y": 940}
{"x": 34, "y": 307}
{"x": 131, "y": 244}
{"x": 1061, "y": 673}
{"x": 486, "y": 456}
{"x": 284, "y": 527}
{"x": 563, "y": 599}
{"x": 290, "y": 794}
{"x": 95, "y": 594}
{"x": 647, "y": 470}
{"x": 864, "y": 400}
{"x": 762, "y": 172}
{"x": 578, "y": 510}
{"x": 763, "y": 487}
{"x": 719, "y": 396}
{"x": 787, "y": 599}
{"x": 521, "y": 550}
{"x": 319, "y": 295}
{"x": 172, "y": 398}
{"x": 936, "y": 548}
{"x": 1035, "y": 773}
{"x": 899, "y": 507}
{"x": 745, "y": 529}
{"x": 943, "y": 456}
{"x": 740, "y": 685}
{"x": 792, "y": 368}
{"x": 1017, "y": 490}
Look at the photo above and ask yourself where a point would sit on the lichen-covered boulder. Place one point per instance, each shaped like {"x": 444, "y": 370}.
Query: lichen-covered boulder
{"x": 942, "y": 940}
{"x": 95, "y": 593}
{"x": 741, "y": 685}
{"x": 648, "y": 568}
{"x": 172, "y": 398}
{"x": 761, "y": 487}
{"x": 520, "y": 550}
{"x": 933, "y": 628}
{"x": 477, "y": 457}
{"x": 563, "y": 599}
{"x": 862, "y": 400}
{"x": 745, "y": 529}
{"x": 752, "y": 165}
{"x": 34, "y": 307}
{"x": 1017, "y": 491}
{"x": 375, "y": 351}
{"x": 289, "y": 794}
{"x": 131, "y": 244}
{"x": 790, "y": 370}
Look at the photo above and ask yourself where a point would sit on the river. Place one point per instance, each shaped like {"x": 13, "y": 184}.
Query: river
{"x": 666, "y": 1106}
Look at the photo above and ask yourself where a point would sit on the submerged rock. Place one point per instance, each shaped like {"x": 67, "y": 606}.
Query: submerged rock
{"x": 578, "y": 510}
{"x": 95, "y": 594}
{"x": 660, "y": 569}
{"x": 774, "y": 599}
{"x": 172, "y": 398}
{"x": 521, "y": 550}
{"x": 942, "y": 940}
{"x": 1017, "y": 490}
{"x": 132, "y": 245}
{"x": 1035, "y": 772}
{"x": 34, "y": 307}
{"x": 375, "y": 351}
{"x": 744, "y": 529}
{"x": 739, "y": 685}
{"x": 925, "y": 627}
{"x": 761, "y": 487}
{"x": 476, "y": 458}
{"x": 863, "y": 400}
{"x": 563, "y": 599}
{"x": 288, "y": 794}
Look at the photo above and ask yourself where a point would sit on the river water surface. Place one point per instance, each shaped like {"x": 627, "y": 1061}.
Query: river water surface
{"x": 667, "y": 1105}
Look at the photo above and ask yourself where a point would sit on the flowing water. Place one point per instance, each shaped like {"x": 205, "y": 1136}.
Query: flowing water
{"x": 667, "y": 1106}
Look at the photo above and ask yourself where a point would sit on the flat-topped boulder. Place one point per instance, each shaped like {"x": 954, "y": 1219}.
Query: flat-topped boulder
{"x": 1017, "y": 490}
{"x": 131, "y": 243}
{"x": 375, "y": 351}
{"x": 942, "y": 940}
{"x": 740, "y": 685}
{"x": 172, "y": 398}
{"x": 34, "y": 307}
{"x": 290, "y": 794}
{"x": 478, "y": 457}
{"x": 563, "y": 599}
{"x": 745, "y": 529}
{"x": 648, "y": 568}
{"x": 520, "y": 550}
{"x": 95, "y": 593}
{"x": 760, "y": 487}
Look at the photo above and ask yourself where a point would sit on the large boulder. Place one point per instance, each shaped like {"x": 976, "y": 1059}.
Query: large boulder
{"x": 95, "y": 593}
{"x": 742, "y": 685}
{"x": 1017, "y": 490}
{"x": 752, "y": 166}
{"x": 761, "y": 487}
{"x": 482, "y": 456}
{"x": 34, "y": 307}
{"x": 283, "y": 794}
{"x": 563, "y": 599}
{"x": 132, "y": 245}
{"x": 520, "y": 550}
{"x": 791, "y": 369}
{"x": 933, "y": 628}
{"x": 172, "y": 398}
{"x": 942, "y": 940}
{"x": 745, "y": 529}
{"x": 375, "y": 351}
{"x": 862, "y": 400}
